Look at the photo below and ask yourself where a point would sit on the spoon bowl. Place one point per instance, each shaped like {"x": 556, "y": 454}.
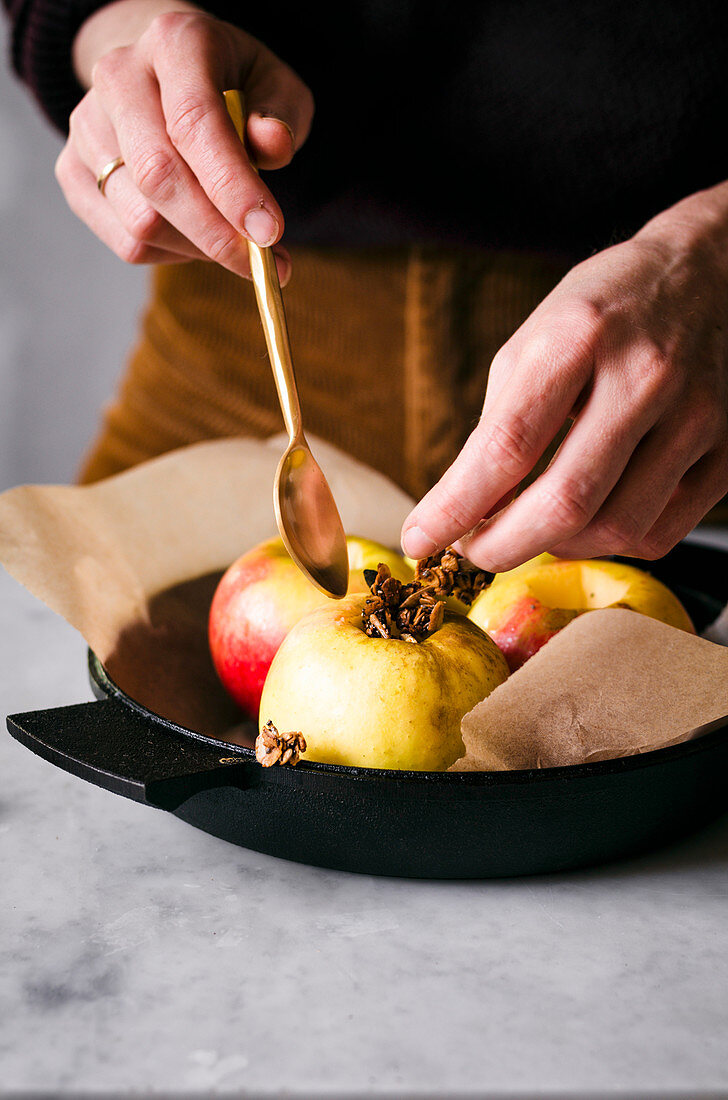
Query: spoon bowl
{"x": 304, "y": 506}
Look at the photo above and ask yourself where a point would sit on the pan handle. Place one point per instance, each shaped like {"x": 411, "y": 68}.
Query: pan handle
{"x": 111, "y": 746}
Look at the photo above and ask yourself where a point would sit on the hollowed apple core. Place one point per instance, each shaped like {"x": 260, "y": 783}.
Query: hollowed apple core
{"x": 577, "y": 586}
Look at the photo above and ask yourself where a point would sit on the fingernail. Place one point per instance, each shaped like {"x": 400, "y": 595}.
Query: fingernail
{"x": 416, "y": 544}
{"x": 261, "y": 226}
{"x": 274, "y": 118}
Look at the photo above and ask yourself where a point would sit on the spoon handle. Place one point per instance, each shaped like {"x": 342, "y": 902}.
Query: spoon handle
{"x": 273, "y": 317}
{"x": 270, "y": 305}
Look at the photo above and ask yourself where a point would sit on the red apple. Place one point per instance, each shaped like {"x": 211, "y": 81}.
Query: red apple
{"x": 261, "y": 597}
{"x": 524, "y": 608}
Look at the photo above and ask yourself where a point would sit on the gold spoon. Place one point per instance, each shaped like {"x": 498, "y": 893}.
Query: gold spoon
{"x": 306, "y": 514}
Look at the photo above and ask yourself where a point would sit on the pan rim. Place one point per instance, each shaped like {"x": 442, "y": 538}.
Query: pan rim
{"x": 102, "y": 682}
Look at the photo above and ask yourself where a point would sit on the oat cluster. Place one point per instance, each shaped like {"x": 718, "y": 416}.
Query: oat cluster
{"x": 415, "y": 610}
{"x": 272, "y": 747}
{"x": 395, "y": 610}
{"x": 449, "y": 574}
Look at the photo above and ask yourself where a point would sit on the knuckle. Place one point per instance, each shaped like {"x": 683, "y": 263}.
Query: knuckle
{"x": 109, "y": 68}
{"x": 223, "y": 249}
{"x": 75, "y": 121}
{"x": 589, "y": 315}
{"x": 582, "y": 323}
{"x": 454, "y": 513}
{"x": 60, "y": 168}
{"x": 653, "y": 546}
{"x": 133, "y": 251}
{"x": 568, "y": 503}
{"x": 165, "y": 28}
{"x": 155, "y": 173}
{"x": 706, "y": 416}
{"x": 504, "y": 360}
{"x": 541, "y": 349}
{"x": 563, "y": 350}
{"x": 510, "y": 445}
{"x": 185, "y": 119}
{"x": 618, "y": 534}
{"x": 578, "y": 327}
{"x": 656, "y": 381}
{"x": 167, "y": 23}
{"x": 222, "y": 183}
{"x": 144, "y": 223}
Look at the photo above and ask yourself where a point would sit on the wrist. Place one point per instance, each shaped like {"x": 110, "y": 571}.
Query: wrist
{"x": 119, "y": 23}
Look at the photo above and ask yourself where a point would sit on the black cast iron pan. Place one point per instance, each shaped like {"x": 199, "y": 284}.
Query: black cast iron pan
{"x": 413, "y": 824}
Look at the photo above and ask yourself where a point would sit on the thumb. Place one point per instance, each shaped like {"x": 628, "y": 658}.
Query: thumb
{"x": 279, "y": 109}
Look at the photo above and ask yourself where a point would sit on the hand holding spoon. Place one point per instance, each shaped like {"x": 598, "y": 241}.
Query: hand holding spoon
{"x": 306, "y": 514}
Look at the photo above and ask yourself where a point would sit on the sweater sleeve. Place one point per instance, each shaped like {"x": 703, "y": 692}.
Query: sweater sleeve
{"x": 42, "y": 34}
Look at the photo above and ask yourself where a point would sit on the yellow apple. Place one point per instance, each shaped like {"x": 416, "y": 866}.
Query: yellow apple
{"x": 527, "y": 567}
{"x": 367, "y": 554}
{"x": 379, "y": 702}
{"x": 525, "y": 607}
{"x": 259, "y": 599}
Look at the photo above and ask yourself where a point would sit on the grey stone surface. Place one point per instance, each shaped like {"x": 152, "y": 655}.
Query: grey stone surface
{"x": 141, "y": 956}
{"x": 68, "y": 307}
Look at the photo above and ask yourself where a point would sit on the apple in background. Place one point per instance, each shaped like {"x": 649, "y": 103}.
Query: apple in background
{"x": 526, "y": 567}
{"x": 526, "y": 606}
{"x": 379, "y": 702}
{"x": 261, "y": 596}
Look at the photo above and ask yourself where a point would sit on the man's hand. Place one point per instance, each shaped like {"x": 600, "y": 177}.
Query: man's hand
{"x": 633, "y": 345}
{"x": 156, "y": 70}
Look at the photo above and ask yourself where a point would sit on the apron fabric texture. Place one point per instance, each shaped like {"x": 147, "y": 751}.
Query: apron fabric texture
{"x": 391, "y": 350}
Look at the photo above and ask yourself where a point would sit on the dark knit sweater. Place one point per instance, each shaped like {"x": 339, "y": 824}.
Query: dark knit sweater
{"x": 539, "y": 124}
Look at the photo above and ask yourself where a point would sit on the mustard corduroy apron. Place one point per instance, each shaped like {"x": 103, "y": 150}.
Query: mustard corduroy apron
{"x": 391, "y": 349}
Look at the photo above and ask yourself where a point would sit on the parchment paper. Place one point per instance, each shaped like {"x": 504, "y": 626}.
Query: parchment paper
{"x": 612, "y": 683}
{"x": 132, "y": 562}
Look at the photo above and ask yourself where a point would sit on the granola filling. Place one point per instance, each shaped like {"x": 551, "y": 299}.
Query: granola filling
{"x": 272, "y": 747}
{"x": 414, "y": 611}
{"x": 451, "y": 575}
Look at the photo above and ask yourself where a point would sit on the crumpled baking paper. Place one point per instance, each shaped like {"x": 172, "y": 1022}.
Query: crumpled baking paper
{"x": 132, "y": 562}
{"x": 612, "y": 683}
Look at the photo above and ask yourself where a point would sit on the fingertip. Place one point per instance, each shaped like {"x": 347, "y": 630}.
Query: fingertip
{"x": 277, "y": 122}
{"x": 283, "y": 266}
{"x": 284, "y": 272}
{"x": 262, "y": 227}
{"x": 271, "y": 140}
{"x": 416, "y": 543}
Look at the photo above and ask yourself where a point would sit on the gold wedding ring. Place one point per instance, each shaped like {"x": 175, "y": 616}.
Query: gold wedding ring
{"x": 106, "y": 171}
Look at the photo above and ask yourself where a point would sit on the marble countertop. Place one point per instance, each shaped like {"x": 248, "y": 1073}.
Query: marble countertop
{"x": 139, "y": 955}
